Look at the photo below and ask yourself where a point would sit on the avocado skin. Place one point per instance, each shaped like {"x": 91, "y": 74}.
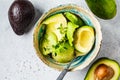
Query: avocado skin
{"x": 105, "y": 9}
{"x": 98, "y": 61}
{"x": 20, "y": 14}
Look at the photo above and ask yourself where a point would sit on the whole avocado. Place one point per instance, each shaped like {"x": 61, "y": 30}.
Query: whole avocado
{"x": 105, "y": 9}
{"x": 20, "y": 14}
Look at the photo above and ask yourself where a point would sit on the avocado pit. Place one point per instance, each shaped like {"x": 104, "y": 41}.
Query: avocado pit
{"x": 103, "y": 72}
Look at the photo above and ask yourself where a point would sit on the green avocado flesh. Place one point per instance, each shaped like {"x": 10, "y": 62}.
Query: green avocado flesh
{"x": 74, "y": 19}
{"x": 104, "y": 69}
{"x": 84, "y": 40}
{"x": 47, "y": 43}
{"x": 105, "y": 9}
{"x": 70, "y": 32}
{"x": 64, "y": 53}
{"x": 58, "y": 37}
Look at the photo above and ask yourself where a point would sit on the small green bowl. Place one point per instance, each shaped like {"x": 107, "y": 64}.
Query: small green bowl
{"x": 80, "y": 62}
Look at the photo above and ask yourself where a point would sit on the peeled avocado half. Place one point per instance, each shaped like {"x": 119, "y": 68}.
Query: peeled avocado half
{"x": 104, "y": 69}
{"x": 54, "y": 23}
{"x": 84, "y": 40}
{"x": 52, "y": 34}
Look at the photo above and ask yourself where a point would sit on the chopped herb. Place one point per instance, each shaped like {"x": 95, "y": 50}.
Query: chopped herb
{"x": 44, "y": 48}
{"x": 62, "y": 29}
{"x": 65, "y": 48}
{"x": 55, "y": 54}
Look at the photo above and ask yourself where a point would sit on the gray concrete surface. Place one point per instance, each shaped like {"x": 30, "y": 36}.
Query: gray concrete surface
{"x": 18, "y": 60}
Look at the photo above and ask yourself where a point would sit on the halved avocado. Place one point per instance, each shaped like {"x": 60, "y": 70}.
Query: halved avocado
{"x": 104, "y": 69}
{"x": 83, "y": 40}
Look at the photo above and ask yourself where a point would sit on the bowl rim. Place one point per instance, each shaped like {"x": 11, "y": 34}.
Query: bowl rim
{"x": 78, "y": 8}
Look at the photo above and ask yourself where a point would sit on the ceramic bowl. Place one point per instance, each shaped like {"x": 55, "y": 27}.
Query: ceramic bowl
{"x": 80, "y": 62}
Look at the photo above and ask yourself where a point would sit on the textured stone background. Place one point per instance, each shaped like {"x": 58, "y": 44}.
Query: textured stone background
{"x": 18, "y": 60}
